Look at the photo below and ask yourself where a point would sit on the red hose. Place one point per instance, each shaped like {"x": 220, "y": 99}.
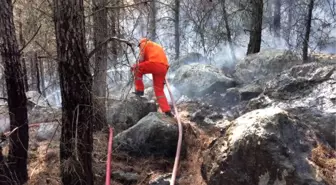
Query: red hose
{"x": 109, "y": 156}
{"x": 179, "y": 142}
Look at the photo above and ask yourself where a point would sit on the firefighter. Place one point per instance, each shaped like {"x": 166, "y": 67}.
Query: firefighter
{"x": 152, "y": 60}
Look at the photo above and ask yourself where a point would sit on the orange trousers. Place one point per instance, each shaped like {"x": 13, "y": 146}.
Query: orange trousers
{"x": 159, "y": 71}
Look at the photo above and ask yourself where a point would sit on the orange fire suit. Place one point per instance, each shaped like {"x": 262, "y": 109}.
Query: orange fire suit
{"x": 153, "y": 60}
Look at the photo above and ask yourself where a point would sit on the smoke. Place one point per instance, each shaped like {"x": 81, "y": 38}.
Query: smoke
{"x": 224, "y": 57}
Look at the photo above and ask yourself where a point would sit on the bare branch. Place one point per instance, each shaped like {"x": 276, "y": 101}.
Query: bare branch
{"x": 31, "y": 39}
{"x": 47, "y": 52}
{"x": 108, "y": 40}
{"x": 119, "y": 7}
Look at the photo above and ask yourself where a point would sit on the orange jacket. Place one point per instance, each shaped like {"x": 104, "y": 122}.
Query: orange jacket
{"x": 152, "y": 52}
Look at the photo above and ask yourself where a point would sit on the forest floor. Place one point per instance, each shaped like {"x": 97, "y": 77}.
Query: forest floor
{"x": 44, "y": 159}
{"x": 44, "y": 163}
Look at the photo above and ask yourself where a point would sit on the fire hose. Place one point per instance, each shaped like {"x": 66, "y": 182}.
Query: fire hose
{"x": 109, "y": 156}
{"x": 179, "y": 142}
{"x": 178, "y": 150}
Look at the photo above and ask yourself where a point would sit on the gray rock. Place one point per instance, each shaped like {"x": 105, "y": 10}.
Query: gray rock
{"x": 206, "y": 115}
{"x": 162, "y": 180}
{"x": 125, "y": 177}
{"x": 199, "y": 79}
{"x": 47, "y": 130}
{"x": 249, "y": 91}
{"x": 154, "y": 135}
{"x": 308, "y": 91}
{"x": 265, "y": 65}
{"x": 303, "y": 80}
{"x": 265, "y": 146}
{"x": 323, "y": 123}
{"x": 126, "y": 113}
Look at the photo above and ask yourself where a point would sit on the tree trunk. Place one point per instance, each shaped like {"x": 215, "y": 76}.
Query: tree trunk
{"x": 152, "y": 21}
{"x": 25, "y": 75}
{"x": 256, "y": 27}
{"x": 22, "y": 43}
{"x": 277, "y": 18}
{"x": 100, "y": 59}
{"x": 34, "y": 73}
{"x": 17, "y": 101}
{"x": 38, "y": 78}
{"x": 41, "y": 70}
{"x": 177, "y": 29}
{"x": 76, "y": 84}
{"x": 289, "y": 28}
{"x": 307, "y": 34}
{"x": 228, "y": 31}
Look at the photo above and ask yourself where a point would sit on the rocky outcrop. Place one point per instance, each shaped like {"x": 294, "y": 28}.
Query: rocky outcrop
{"x": 200, "y": 79}
{"x": 307, "y": 90}
{"x": 265, "y": 65}
{"x": 124, "y": 114}
{"x": 265, "y": 146}
{"x": 154, "y": 135}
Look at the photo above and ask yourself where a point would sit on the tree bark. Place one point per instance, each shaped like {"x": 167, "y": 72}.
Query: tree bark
{"x": 100, "y": 59}
{"x": 256, "y": 27}
{"x": 277, "y": 18}
{"x": 17, "y": 101}
{"x": 76, "y": 84}
{"x": 177, "y": 29}
{"x": 38, "y": 78}
{"x": 152, "y": 21}
{"x": 34, "y": 73}
{"x": 41, "y": 70}
{"x": 23, "y": 43}
{"x": 289, "y": 28}
{"x": 307, "y": 34}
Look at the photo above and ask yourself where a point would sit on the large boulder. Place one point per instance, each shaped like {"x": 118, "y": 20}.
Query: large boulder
{"x": 310, "y": 91}
{"x": 199, "y": 79}
{"x": 312, "y": 82}
{"x": 265, "y": 146}
{"x": 123, "y": 114}
{"x": 154, "y": 135}
{"x": 265, "y": 65}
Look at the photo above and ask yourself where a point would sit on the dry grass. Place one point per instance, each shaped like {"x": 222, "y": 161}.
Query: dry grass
{"x": 325, "y": 160}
